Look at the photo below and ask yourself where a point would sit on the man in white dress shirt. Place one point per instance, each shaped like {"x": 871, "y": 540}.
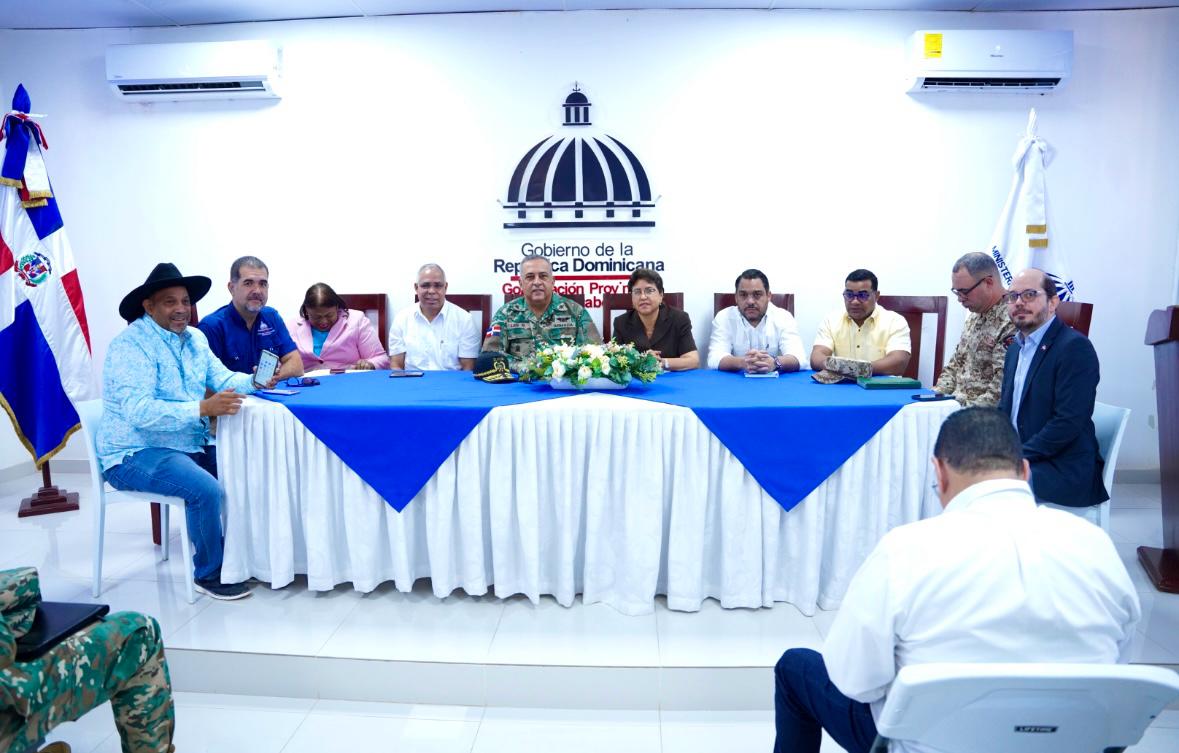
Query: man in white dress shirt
{"x": 994, "y": 578}
{"x": 754, "y": 336}
{"x": 433, "y": 334}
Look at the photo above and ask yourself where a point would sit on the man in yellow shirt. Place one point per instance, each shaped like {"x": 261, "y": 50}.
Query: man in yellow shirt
{"x": 864, "y": 331}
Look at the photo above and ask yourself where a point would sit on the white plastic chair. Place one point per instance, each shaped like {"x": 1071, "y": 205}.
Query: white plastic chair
{"x": 1110, "y": 423}
{"x": 90, "y": 413}
{"x": 1020, "y": 708}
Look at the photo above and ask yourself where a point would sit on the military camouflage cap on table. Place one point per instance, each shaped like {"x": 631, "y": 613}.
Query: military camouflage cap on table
{"x": 842, "y": 369}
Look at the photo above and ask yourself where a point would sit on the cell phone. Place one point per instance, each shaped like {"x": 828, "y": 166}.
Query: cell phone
{"x": 278, "y": 392}
{"x": 932, "y": 397}
{"x": 404, "y": 373}
{"x": 267, "y": 365}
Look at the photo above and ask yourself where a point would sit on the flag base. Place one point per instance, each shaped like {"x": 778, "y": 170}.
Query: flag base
{"x": 48, "y": 499}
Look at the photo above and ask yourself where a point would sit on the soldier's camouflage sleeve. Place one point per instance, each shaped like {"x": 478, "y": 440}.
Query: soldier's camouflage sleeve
{"x": 947, "y": 383}
{"x": 992, "y": 390}
{"x": 493, "y": 338}
{"x": 20, "y": 593}
{"x": 120, "y": 659}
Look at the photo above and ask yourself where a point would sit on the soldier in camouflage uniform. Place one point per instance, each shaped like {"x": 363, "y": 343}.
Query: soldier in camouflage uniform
{"x": 538, "y": 318}
{"x": 974, "y": 374}
{"x": 119, "y": 658}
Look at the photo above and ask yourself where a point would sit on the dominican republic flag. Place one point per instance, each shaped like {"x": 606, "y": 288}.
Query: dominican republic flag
{"x": 44, "y": 342}
{"x": 1021, "y": 238}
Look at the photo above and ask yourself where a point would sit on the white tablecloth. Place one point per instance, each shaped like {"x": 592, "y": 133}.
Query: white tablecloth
{"x": 614, "y": 498}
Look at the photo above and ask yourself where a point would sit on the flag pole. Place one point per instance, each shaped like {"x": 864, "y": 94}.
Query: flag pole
{"x": 48, "y": 499}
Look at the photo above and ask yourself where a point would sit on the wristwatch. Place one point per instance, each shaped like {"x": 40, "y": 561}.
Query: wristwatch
{"x": 665, "y": 365}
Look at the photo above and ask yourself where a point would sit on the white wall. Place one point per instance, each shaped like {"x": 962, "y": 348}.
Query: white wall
{"x": 776, "y": 139}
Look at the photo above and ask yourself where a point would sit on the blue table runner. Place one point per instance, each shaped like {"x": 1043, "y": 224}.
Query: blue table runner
{"x": 395, "y": 433}
{"x": 790, "y": 433}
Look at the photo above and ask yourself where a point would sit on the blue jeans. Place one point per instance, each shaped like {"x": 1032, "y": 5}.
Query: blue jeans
{"x": 806, "y": 702}
{"x": 193, "y": 478}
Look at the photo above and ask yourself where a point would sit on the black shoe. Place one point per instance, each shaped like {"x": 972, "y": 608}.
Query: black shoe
{"x": 222, "y": 591}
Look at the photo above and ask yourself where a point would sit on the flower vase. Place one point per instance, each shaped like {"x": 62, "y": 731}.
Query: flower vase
{"x": 593, "y": 383}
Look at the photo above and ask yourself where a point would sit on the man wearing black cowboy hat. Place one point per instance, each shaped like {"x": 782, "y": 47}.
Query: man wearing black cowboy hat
{"x": 154, "y": 435}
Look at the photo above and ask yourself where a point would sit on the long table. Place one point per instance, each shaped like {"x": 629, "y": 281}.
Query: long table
{"x": 596, "y": 494}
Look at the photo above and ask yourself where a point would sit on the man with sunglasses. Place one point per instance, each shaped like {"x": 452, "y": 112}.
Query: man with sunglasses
{"x": 864, "y": 331}
{"x": 974, "y": 374}
{"x": 1049, "y": 386}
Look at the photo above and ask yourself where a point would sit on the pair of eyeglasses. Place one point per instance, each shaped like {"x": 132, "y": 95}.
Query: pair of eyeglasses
{"x": 963, "y": 292}
{"x": 857, "y": 295}
{"x": 302, "y": 382}
{"x": 641, "y": 292}
{"x": 1027, "y": 296}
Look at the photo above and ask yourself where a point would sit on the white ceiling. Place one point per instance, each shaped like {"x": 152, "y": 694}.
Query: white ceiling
{"x": 87, "y": 14}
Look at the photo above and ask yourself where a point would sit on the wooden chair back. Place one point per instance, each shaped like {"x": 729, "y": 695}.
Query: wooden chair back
{"x": 1076, "y": 315}
{"x": 913, "y": 308}
{"x": 376, "y": 307}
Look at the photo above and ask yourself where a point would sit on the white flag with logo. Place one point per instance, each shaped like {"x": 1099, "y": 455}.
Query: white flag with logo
{"x": 1022, "y": 236}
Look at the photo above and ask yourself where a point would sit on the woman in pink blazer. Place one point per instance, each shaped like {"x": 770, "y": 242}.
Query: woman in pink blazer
{"x": 329, "y": 335}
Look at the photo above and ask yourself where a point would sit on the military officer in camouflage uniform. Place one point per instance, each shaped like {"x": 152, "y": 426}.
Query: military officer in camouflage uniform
{"x": 118, "y": 659}
{"x": 538, "y": 318}
{"x": 974, "y": 374}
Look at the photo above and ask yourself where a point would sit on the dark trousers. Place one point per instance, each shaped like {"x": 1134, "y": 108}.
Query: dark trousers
{"x": 806, "y": 703}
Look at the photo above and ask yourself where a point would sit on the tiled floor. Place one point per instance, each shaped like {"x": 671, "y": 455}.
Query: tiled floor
{"x": 388, "y": 625}
{"x": 254, "y": 724}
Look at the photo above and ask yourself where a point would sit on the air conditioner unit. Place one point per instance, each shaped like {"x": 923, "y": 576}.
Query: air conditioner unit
{"x": 1002, "y": 61}
{"x": 194, "y": 70}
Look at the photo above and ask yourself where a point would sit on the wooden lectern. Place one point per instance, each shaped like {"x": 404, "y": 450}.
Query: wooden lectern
{"x": 1162, "y": 332}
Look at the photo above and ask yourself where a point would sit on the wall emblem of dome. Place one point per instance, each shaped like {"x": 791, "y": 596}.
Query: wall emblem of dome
{"x": 579, "y": 177}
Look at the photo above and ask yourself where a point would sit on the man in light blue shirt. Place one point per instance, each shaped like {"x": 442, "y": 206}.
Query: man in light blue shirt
{"x": 154, "y": 434}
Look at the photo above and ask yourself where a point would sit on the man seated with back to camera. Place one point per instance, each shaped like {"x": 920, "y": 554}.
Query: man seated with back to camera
{"x": 995, "y": 578}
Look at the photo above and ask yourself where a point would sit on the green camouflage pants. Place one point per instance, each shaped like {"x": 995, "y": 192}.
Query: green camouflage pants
{"x": 120, "y": 659}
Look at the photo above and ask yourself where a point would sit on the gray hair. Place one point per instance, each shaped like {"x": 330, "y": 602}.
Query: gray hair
{"x": 235, "y": 269}
{"x": 427, "y": 267}
{"x": 978, "y": 264}
{"x": 536, "y": 257}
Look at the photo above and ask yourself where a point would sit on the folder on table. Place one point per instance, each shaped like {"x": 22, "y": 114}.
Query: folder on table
{"x": 889, "y": 383}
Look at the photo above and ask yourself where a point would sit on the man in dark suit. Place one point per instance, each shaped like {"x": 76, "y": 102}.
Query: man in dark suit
{"x": 1049, "y": 386}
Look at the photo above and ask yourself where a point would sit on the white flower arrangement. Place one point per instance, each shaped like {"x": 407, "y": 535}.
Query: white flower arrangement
{"x": 581, "y": 363}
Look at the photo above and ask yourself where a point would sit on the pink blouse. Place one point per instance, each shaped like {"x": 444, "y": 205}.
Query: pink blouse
{"x": 350, "y": 339}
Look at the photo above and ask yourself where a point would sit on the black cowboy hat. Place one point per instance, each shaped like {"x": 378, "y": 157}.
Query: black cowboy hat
{"x": 165, "y": 275}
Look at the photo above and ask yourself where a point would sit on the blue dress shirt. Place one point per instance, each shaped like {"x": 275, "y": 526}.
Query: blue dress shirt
{"x": 1027, "y": 352}
{"x": 237, "y": 345}
{"x": 152, "y": 384}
